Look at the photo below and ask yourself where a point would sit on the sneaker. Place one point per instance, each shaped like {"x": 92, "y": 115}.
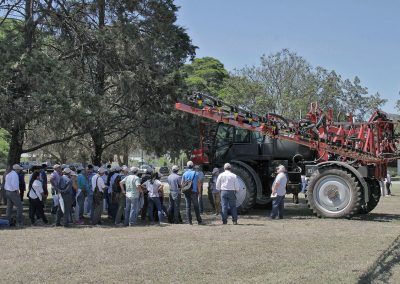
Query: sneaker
{"x": 201, "y": 223}
{"x": 235, "y": 222}
{"x": 79, "y": 222}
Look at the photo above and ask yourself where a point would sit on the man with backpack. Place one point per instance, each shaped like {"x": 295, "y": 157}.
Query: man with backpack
{"x": 190, "y": 187}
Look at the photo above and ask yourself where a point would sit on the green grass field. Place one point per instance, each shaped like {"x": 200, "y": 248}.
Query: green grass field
{"x": 298, "y": 249}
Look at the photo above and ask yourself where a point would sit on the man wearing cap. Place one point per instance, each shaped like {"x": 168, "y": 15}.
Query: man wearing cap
{"x": 121, "y": 197}
{"x": 279, "y": 189}
{"x": 12, "y": 193}
{"x": 130, "y": 186}
{"x": 65, "y": 193}
{"x": 174, "y": 181}
{"x": 55, "y": 183}
{"x": 228, "y": 185}
{"x": 192, "y": 197}
{"x": 201, "y": 182}
{"x": 98, "y": 181}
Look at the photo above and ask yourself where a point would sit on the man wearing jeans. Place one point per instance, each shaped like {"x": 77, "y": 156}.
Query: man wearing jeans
{"x": 132, "y": 192}
{"x": 192, "y": 197}
{"x": 12, "y": 193}
{"x": 228, "y": 185}
{"x": 174, "y": 181}
{"x": 279, "y": 189}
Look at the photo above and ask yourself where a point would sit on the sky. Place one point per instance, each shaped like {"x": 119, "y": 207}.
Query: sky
{"x": 353, "y": 37}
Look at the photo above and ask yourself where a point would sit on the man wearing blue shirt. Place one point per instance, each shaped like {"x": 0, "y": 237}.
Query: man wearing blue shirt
{"x": 192, "y": 197}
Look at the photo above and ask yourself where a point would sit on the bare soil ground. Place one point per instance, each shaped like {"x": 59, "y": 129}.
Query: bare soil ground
{"x": 298, "y": 249}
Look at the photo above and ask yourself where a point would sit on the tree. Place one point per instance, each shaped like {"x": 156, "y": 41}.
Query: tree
{"x": 205, "y": 74}
{"x": 31, "y": 79}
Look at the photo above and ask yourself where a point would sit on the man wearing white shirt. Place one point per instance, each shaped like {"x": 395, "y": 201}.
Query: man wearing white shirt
{"x": 228, "y": 184}
{"x": 279, "y": 191}
{"x": 12, "y": 193}
{"x": 98, "y": 181}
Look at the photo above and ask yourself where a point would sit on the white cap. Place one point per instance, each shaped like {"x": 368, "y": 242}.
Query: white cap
{"x": 117, "y": 168}
{"x": 101, "y": 170}
{"x": 67, "y": 171}
{"x": 175, "y": 168}
{"x": 281, "y": 169}
{"x": 215, "y": 170}
{"x": 80, "y": 168}
{"x": 17, "y": 167}
{"x": 134, "y": 170}
{"x": 227, "y": 166}
{"x": 73, "y": 173}
{"x": 124, "y": 168}
{"x": 190, "y": 164}
{"x": 56, "y": 166}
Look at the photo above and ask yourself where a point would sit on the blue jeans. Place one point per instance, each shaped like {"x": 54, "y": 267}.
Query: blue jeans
{"x": 80, "y": 200}
{"x": 175, "y": 205}
{"x": 277, "y": 206}
{"x": 155, "y": 201}
{"x": 192, "y": 198}
{"x": 89, "y": 205}
{"x": 131, "y": 210}
{"x": 228, "y": 197}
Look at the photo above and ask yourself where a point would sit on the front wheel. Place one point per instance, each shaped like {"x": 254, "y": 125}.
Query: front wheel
{"x": 334, "y": 192}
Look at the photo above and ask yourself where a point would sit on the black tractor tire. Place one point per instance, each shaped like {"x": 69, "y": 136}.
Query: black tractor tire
{"x": 374, "y": 192}
{"x": 248, "y": 180}
{"x": 334, "y": 192}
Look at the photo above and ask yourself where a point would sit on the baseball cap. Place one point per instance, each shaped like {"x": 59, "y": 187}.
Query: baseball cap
{"x": 215, "y": 170}
{"x": 17, "y": 167}
{"x": 101, "y": 170}
{"x": 227, "y": 166}
{"x": 175, "y": 168}
{"x": 190, "y": 164}
{"x": 124, "y": 168}
{"x": 67, "y": 170}
{"x": 134, "y": 170}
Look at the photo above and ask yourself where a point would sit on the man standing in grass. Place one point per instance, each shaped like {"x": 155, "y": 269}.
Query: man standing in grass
{"x": 12, "y": 187}
{"x": 192, "y": 195}
{"x": 279, "y": 190}
{"x": 132, "y": 192}
{"x": 228, "y": 185}
{"x": 174, "y": 181}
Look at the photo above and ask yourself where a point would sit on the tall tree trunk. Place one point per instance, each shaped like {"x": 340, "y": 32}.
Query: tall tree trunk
{"x": 16, "y": 143}
{"x": 17, "y": 131}
{"x": 98, "y": 141}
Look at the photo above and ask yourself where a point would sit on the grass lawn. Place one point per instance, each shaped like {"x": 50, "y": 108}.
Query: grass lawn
{"x": 298, "y": 249}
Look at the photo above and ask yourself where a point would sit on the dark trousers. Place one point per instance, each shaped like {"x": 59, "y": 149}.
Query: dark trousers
{"x": 277, "y": 207}
{"x": 36, "y": 208}
{"x": 67, "y": 209}
{"x": 145, "y": 206}
{"x": 21, "y": 194}
{"x": 388, "y": 184}
{"x": 155, "y": 202}
{"x": 192, "y": 198}
{"x": 174, "y": 207}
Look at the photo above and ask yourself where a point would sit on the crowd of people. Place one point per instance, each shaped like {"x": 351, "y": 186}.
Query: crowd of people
{"x": 124, "y": 193}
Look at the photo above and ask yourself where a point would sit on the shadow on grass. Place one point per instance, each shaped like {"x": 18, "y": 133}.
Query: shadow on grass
{"x": 377, "y": 217}
{"x": 381, "y": 269}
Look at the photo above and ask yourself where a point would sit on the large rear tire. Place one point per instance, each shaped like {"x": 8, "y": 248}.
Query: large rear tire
{"x": 374, "y": 191}
{"x": 246, "y": 197}
{"x": 334, "y": 192}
